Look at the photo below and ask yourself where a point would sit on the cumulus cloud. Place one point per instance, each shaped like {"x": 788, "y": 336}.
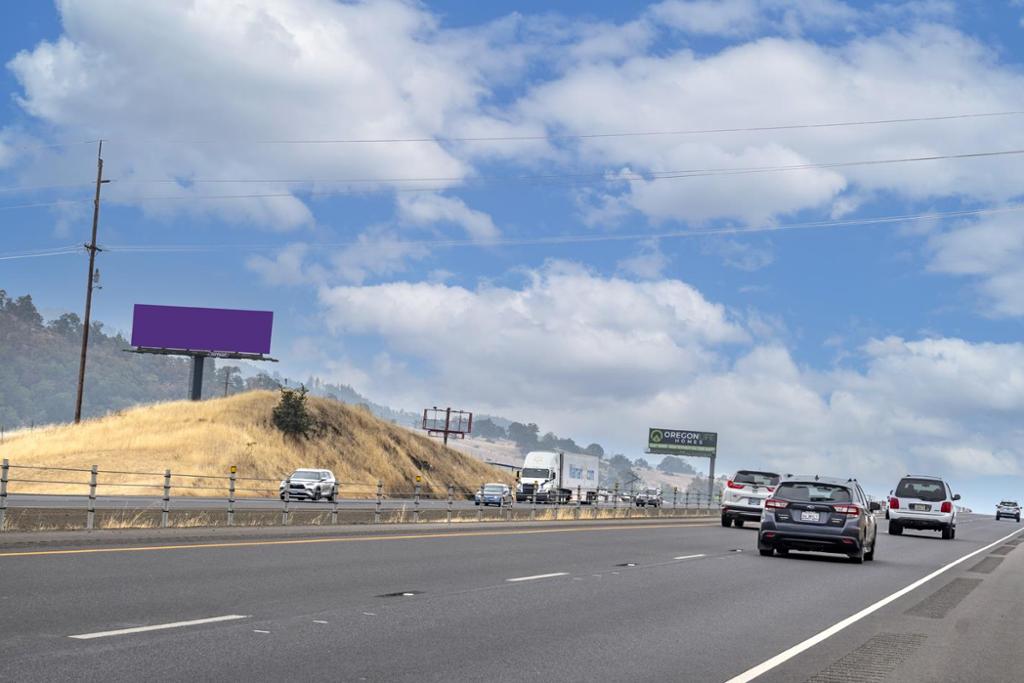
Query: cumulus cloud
{"x": 649, "y": 261}
{"x": 990, "y": 251}
{"x": 323, "y": 70}
{"x": 921, "y": 70}
{"x": 603, "y": 355}
{"x": 429, "y": 209}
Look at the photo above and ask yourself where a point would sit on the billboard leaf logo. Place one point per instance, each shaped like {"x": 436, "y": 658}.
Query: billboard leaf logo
{"x": 656, "y": 436}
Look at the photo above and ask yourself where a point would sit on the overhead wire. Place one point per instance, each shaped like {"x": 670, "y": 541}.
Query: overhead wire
{"x": 540, "y": 179}
{"x": 586, "y": 238}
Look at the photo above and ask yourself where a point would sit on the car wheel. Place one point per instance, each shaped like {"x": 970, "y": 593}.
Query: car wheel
{"x": 997, "y": 518}
{"x": 947, "y": 533}
{"x": 858, "y": 558}
{"x": 766, "y": 552}
{"x": 782, "y": 551}
{"x": 476, "y": 502}
{"x": 316, "y": 496}
{"x": 726, "y": 521}
{"x": 738, "y": 522}
{"x": 334, "y": 494}
{"x": 282, "y": 496}
{"x": 895, "y": 529}
{"x": 870, "y": 556}
{"x": 1018, "y": 519}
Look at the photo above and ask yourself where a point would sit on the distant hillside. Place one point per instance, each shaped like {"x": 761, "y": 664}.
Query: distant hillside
{"x": 208, "y": 437}
{"x": 39, "y": 368}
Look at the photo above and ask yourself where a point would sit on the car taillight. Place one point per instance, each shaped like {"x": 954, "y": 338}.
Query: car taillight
{"x": 946, "y": 507}
{"x": 776, "y": 503}
{"x": 733, "y": 485}
{"x": 771, "y": 489}
{"x": 846, "y": 509}
{"x": 894, "y": 503}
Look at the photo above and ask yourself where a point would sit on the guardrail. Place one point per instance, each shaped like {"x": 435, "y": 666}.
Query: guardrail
{"x": 375, "y": 503}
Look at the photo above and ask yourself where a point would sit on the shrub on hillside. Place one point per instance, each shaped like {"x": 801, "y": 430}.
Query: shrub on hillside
{"x": 290, "y": 414}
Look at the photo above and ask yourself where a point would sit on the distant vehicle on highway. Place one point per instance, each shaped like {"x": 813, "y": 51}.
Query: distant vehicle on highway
{"x": 651, "y": 497}
{"x": 311, "y": 484}
{"x": 557, "y": 477}
{"x": 822, "y": 514}
{"x": 1008, "y": 508}
{"x": 923, "y": 502}
{"x": 494, "y": 494}
{"x": 744, "y": 495}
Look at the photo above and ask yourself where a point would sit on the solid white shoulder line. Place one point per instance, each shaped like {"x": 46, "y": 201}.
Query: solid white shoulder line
{"x": 768, "y": 665}
{"x": 538, "y": 576}
{"x": 158, "y": 627}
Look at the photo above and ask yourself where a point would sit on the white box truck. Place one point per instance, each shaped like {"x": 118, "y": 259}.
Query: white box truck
{"x": 555, "y": 477}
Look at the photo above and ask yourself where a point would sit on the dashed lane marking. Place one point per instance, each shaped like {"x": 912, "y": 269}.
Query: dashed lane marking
{"x": 157, "y": 627}
{"x": 537, "y": 576}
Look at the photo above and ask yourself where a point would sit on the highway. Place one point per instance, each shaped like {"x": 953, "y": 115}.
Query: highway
{"x": 643, "y": 600}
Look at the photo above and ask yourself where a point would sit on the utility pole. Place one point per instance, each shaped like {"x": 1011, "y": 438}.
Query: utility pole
{"x": 92, "y": 249}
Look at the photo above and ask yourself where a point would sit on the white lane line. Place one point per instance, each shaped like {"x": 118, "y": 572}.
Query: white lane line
{"x": 689, "y": 557}
{"x": 538, "y": 576}
{"x": 782, "y": 657}
{"x": 319, "y": 621}
{"x": 256, "y": 630}
{"x": 158, "y": 627}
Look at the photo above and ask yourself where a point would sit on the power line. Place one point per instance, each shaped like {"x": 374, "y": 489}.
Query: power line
{"x": 585, "y": 238}
{"x": 580, "y": 136}
{"x": 55, "y": 251}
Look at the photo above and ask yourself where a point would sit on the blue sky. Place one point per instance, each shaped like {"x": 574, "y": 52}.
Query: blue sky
{"x": 525, "y": 276}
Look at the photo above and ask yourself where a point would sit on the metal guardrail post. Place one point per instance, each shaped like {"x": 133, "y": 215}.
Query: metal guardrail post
{"x": 90, "y": 515}
{"x": 416, "y": 504}
{"x": 376, "y": 509}
{"x": 615, "y": 500}
{"x": 675, "y": 494}
{"x": 287, "y": 499}
{"x": 334, "y": 503}
{"x": 231, "y": 496}
{"x": 5, "y": 468}
{"x": 451, "y": 501}
{"x": 533, "y": 508}
{"x": 480, "y": 508}
{"x": 508, "y": 508}
{"x": 579, "y": 500}
{"x": 164, "y": 514}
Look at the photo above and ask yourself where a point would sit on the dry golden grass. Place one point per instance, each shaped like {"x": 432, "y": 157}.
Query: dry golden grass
{"x": 207, "y": 437}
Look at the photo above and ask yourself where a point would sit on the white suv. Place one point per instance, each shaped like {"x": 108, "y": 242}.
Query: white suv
{"x": 311, "y": 484}
{"x": 1008, "y": 508}
{"x": 744, "y": 495}
{"x": 923, "y": 502}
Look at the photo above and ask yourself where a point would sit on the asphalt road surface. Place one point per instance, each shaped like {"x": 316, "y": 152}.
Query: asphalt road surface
{"x": 602, "y": 601}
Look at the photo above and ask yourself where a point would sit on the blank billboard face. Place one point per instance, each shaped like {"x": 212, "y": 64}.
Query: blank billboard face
{"x": 202, "y": 329}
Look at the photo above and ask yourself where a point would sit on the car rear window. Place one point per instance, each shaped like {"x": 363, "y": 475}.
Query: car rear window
{"x": 813, "y": 492}
{"x": 922, "y": 489}
{"x": 1009, "y": 503}
{"x": 759, "y": 478}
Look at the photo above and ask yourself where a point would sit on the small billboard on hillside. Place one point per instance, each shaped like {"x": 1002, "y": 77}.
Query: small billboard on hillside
{"x": 210, "y": 330}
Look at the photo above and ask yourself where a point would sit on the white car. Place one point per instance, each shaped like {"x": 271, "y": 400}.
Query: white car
{"x": 923, "y": 502}
{"x": 744, "y": 495}
{"x": 311, "y": 484}
{"x": 1009, "y": 509}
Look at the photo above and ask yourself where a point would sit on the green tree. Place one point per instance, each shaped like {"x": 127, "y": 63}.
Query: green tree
{"x": 290, "y": 414}
{"x": 672, "y": 464}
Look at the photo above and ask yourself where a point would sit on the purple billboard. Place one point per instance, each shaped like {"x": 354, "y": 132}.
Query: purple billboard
{"x": 202, "y": 329}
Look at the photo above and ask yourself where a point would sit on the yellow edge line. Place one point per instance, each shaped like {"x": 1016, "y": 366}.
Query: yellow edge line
{"x": 347, "y": 539}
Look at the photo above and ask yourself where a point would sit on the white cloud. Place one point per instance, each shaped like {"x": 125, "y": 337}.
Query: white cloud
{"x": 924, "y": 70}
{"x": 991, "y": 252}
{"x": 429, "y": 209}
{"x": 375, "y": 253}
{"x": 589, "y": 355}
{"x": 323, "y": 69}
{"x": 288, "y": 267}
{"x": 649, "y": 261}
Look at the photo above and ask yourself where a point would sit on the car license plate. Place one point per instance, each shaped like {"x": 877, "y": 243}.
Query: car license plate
{"x": 756, "y": 502}
{"x": 918, "y": 506}
{"x": 808, "y": 516}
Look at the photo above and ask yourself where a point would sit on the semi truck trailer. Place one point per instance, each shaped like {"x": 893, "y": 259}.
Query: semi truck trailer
{"x": 556, "y": 477}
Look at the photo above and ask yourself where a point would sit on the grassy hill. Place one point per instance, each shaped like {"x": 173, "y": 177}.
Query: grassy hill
{"x": 207, "y": 437}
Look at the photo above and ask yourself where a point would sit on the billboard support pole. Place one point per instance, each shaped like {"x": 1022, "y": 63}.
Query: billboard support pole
{"x": 198, "y": 364}
{"x": 92, "y": 249}
{"x": 711, "y": 479}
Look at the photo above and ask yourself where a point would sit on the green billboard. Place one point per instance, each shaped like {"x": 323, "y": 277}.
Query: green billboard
{"x": 682, "y": 442}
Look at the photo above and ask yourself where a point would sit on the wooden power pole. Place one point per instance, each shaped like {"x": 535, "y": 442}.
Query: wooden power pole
{"x": 92, "y": 249}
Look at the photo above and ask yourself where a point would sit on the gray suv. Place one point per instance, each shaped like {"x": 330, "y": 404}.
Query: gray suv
{"x": 822, "y": 514}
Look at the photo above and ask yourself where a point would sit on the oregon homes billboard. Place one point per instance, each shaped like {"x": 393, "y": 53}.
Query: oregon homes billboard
{"x": 202, "y": 329}
{"x": 682, "y": 442}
